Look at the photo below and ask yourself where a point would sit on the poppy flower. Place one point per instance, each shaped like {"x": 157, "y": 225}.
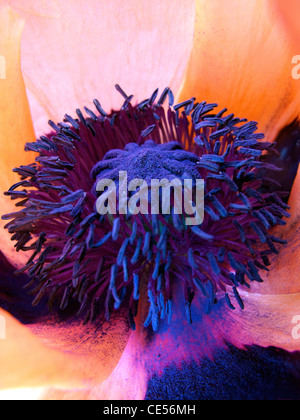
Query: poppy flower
{"x": 158, "y": 301}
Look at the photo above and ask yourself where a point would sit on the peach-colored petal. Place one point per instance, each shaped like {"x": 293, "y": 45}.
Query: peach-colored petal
{"x": 63, "y": 355}
{"x": 25, "y": 362}
{"x": 266, "y": 321}
{"x": 290, "y": 12}
{"x": 74, "y": 51}
{"x": 15, "y": 119}
{"x": 241, "y": 59}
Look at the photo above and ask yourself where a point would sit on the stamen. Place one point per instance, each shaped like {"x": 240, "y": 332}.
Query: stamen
{"x": 103, "y": 262}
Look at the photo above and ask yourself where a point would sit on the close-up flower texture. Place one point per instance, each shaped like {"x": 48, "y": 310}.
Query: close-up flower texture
{"x": 143, "y": 305}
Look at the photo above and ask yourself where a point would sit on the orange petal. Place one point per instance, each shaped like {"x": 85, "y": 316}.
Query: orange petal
{"x": 15, "y": 119}
{"x": 290, "y": 12}
{"x": 73, "y": 52}
{"x": 88, "y": 357}
{"x": 25, "y": 362}
{"x": 241, "y": 59}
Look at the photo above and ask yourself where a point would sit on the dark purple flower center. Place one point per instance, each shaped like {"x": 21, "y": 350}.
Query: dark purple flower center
{"x": 104, "y": 262}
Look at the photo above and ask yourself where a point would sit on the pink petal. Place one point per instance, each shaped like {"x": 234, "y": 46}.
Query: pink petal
{"x": 73, "y": 51}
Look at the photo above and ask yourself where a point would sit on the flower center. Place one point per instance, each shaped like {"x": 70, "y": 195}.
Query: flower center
{"x": 99, "y": 261}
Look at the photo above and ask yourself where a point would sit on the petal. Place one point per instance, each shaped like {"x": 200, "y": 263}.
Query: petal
{"x": 289, "y": 11}
{"x": 52, "y": 349}
{"x": 58, "y": 354}
{"x": 25, "y": 362}
{"x": 267, "y": 321}
{"x": 15, "y": 119}
{"x": 73, "y": 52}
{"x": 42, "y": 366}
{"x": 241, "y": 59}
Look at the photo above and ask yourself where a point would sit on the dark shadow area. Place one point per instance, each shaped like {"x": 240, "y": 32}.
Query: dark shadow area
{"x": 14, "y": 298}
{"x": 288, "y": 158}
{"x": 252, "y": 374}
